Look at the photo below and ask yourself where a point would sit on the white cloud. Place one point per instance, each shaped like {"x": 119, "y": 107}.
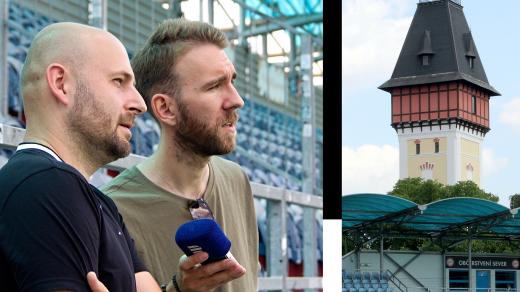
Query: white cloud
{"x": 491, "y": 168}
{"x": 373, "y": 35}
{"x": 510, "y": 114}
{"x": 491, "y": 164}
{"x": 369, "y": 169}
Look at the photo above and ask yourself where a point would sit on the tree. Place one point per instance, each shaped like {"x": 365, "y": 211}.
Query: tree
{"x": 426, "y": 191}
{"x": 515, "y": 201}
{"x": 419, "y": 191}
{"x": 468, "y": 189}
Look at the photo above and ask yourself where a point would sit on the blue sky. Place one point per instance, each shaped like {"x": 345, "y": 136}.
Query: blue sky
{"x": 373, "y": 34}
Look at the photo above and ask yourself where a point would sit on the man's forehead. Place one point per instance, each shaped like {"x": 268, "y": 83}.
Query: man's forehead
{"x": 111, "y": 56}
{"x": 205, "y": 60}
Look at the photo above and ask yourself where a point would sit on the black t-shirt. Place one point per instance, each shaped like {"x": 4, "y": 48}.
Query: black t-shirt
{"x": 55, "y": 227}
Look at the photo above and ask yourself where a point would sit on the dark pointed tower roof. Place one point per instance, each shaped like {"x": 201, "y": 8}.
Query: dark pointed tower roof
{"x": 439, "y": 32}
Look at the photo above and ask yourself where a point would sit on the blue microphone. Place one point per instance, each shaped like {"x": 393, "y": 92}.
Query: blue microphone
{"x": 203, "y": 235}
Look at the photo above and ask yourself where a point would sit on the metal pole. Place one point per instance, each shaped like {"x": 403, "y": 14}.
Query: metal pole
{"x": 284, "y": 241}
{"x": 210, "y": 12}
{"x": 381, "y": 256}
{"x": 264, "y": 46}
{"x": 292, "y": 54}
{"x": 358, "y": 259}
{"x": 443, "y": 259}
{"x": 98, "y": 14}
{"x": 4, "y": 73}
{"x": 308, "y": 145}
{"x": 176, "y": 10}
{"x": 242, "y": 26}
{"x": 307, "y": 114}
{"x": 470, "y": 282}
{"x": 201, "y": 18}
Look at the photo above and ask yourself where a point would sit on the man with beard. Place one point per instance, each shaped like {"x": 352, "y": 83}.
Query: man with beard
{"x": 186, "y": 80}
{"x": 80, "y": 103}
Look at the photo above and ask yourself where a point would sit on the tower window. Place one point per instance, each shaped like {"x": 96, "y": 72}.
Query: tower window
{"x": 436, "y": 146}
{"x": 473, "y": 104}
{"x": 417, "y": 146}
{"x": 470, "y": 63}
{"x": 426, "y": 60}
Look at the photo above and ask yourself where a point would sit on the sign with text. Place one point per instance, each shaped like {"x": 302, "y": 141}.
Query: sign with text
{"x": 495, "y": 263}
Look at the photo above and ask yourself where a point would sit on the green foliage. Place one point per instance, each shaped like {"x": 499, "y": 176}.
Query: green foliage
{"x": 486, "y": 246}
{"x": 426, "y": 191}
{"x": 347, "y": 245}
{"x": 515, "y": 201}
{"x": 468, "y": 189}
{"x": 419, "y": 191}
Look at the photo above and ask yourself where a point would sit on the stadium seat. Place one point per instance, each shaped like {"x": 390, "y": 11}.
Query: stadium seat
{"x": 357, "y": 277}
{"x": 375, "y": 278}
{"x": 349, "y": 276}
{"x": 386, "y": 276}
{"x": 365, "y": 278}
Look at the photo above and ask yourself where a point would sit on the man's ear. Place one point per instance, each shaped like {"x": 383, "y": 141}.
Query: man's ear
{"x": 58, "y": 79}
{"x": 164, "y": 108}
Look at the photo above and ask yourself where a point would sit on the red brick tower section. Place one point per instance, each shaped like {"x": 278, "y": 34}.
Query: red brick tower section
{"x": 443, "y": 104}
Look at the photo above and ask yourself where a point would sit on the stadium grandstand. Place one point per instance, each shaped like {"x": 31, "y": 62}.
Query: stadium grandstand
{"x": 276, "y": 47}
{"x": 376, "y": 226}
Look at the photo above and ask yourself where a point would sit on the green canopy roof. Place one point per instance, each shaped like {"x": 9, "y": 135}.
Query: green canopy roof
{"x": 361, "y": 209}
{"x": 378, "y": 214}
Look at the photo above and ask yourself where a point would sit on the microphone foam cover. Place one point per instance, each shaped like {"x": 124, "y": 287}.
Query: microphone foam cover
{"x": 203, "y": 235}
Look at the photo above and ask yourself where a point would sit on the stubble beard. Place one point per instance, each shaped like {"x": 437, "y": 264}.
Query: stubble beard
{"x": 195, "y": 136}
{"x": 88, "y": 123}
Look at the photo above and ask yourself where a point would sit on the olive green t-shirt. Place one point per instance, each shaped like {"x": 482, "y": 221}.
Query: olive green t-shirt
{"x": 152, "y": 216}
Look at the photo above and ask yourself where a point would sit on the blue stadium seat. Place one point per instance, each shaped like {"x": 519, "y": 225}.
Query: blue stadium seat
{"x": 375, "y": 277}
{"x": 365, "y": 278}
{"x": 357, "y": 277}
{"x": 386, "y": 276}
{"x": 349, "y": 276}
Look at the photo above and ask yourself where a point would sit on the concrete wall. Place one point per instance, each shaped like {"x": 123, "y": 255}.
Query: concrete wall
{"x": 420, "y": 269}
{"x": 427, "y": 268}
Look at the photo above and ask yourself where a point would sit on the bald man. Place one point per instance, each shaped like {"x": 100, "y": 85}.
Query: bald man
{"x": 80, "y": 103}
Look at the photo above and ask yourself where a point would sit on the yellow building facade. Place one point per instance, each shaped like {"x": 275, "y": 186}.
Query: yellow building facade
{"x": 447, "y": 156}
